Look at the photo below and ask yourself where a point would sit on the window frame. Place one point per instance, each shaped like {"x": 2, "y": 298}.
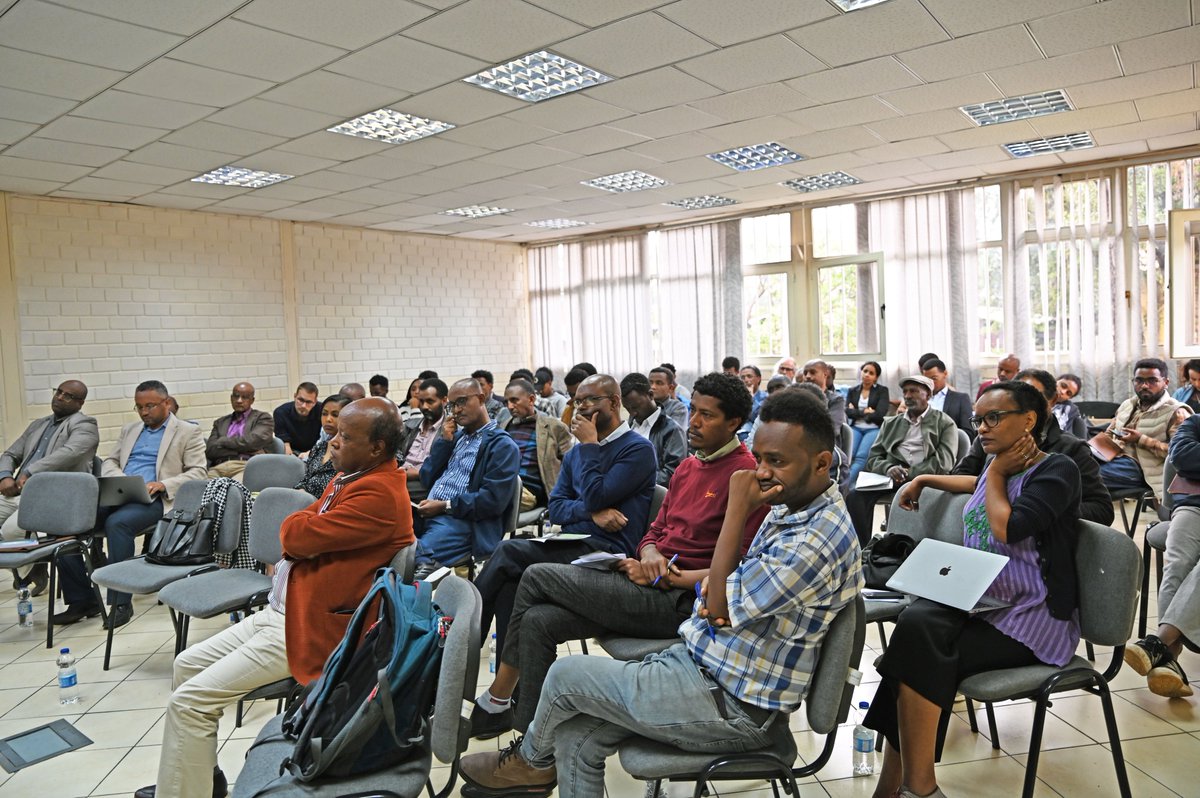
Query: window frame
{"x": 814, "y": 267}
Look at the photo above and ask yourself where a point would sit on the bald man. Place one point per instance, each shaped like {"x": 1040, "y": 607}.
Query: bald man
{"x": 1006, "y": 369}
{"x": 237, "y": 437}
{"x": 353, "y": 391}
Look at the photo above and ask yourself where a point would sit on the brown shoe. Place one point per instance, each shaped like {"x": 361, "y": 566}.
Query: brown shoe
{"x": 506, "y": 773}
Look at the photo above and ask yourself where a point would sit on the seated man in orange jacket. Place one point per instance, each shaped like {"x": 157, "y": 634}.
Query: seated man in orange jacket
{"x": 330, "y": 553}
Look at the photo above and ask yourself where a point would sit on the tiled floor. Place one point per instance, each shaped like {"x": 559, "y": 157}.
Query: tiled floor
{"x": 122, "y": 711}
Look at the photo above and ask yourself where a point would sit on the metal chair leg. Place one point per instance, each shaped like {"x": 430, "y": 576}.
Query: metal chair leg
{"x": 1114, "y": 737}
{"x": 1035, "y": 747}
{"x": 991, "y": 716}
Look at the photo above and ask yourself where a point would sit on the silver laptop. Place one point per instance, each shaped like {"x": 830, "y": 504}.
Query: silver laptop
{"x": 950, "y": 574}
{"x": 115, "y": 491}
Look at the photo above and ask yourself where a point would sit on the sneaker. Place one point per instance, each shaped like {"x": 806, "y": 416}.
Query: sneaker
{"x": 496, "y": 773}
{"x": 486, "y": 725}
{"x": 1146, "y": 654}
{"x": 904, "y": 792}
{"x": 1169, "y": 680}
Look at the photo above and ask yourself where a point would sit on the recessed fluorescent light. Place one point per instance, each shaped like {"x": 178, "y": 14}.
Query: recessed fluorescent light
{"x": 557, "y": 224}
{"x": 1010, "y": 109}
{"x": 390, "y": 126}
{"x": 538, "y": 76}
{"x": 1049, "y": 144}
{"x": 476, "y": 211}
{"x": 756, "y": 156}
{"x": 855, "y": 5}
{"x": 238, "y": 176}
{"x": 821, "y": 182}
{"x": 706, "y": 201}
{"x": 626, "y": 181}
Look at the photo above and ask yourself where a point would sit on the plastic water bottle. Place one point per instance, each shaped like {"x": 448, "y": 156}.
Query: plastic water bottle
{"x": 492, "y": 654}
{"x": 68, "y": 680}
{"x": 24, "y": 608}
{"x": 864, "y": 744}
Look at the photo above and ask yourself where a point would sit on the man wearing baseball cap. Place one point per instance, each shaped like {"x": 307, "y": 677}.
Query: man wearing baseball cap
{"x": 921, "y": 440}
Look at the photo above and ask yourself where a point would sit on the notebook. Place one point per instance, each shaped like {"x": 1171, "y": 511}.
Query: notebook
{"x": 950, "y": 574}
{"x": 115, "y": 491}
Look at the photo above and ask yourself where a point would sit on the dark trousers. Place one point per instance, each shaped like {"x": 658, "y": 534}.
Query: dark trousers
{"x": 556, "y": 603}
{"x": 860, "y": 506}
{"x": 122, "y": 525}
{"x": 1122, "y": 474}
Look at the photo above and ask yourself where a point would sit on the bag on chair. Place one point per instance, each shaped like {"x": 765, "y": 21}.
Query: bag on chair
{"x": 185, "y": 537}
{"x": 883, "y": 556}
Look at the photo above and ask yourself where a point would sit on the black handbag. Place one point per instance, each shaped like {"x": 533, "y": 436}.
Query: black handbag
{"x": 185, "y": 537}
{"x": 883, "y": 556}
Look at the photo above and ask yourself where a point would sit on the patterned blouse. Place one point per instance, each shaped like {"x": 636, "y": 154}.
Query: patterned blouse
{"x": 317, "y": 475}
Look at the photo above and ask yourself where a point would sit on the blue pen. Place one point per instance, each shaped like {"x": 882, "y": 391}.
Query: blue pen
{"x": 674, "y": 557}
{"x": 711, "y": 631}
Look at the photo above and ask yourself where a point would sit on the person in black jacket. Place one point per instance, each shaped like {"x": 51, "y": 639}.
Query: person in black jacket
{"x": 647, "y": 419}
{"x": 1095, "y": 503}
{"x": 955, "y": 404}
{"x": 866, "y": 407}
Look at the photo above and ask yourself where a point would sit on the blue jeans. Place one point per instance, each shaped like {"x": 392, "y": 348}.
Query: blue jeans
{"x": 122, "y": 525}
{"x": 589, "y": 705}
{"x": 444, "y": 539}
{"x": 1123, "y": 474}
{"x": 863, "y": 438}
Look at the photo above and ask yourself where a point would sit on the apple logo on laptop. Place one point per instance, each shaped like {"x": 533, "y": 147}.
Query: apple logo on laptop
{"x": 944, "y": 571}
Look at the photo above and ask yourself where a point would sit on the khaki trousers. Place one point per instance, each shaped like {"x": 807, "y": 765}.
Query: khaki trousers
{"x": 230, "y": 468}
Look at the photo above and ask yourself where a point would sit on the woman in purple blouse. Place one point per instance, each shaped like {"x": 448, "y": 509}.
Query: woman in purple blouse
{"x": 1025, "y": 506}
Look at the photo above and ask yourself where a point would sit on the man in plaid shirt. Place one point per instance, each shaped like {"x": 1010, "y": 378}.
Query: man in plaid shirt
{"x": 749, "y": 649}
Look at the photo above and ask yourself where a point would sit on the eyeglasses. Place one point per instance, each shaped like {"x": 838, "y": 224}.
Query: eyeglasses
{"x": 461, "y": 402}
{"x": 588, "y": 401}
{"x": 149, "y": 407}
{"x": 300, "y": 400}
{"x": 1147, "y": 380}
{"x": 65, "y": 395}
{"x": 990, "y": 420}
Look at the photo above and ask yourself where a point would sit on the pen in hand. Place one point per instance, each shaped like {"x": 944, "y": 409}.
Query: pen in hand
{"x": 700, "y": 595}
{"x": 670, "y": 564}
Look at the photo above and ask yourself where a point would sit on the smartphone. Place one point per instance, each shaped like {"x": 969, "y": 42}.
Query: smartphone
{"x": 1120, "y": 433}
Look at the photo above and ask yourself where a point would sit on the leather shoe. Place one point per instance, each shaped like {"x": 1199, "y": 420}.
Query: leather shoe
{"x": 220, "y": 787}
{"x": 76, "y": 613}
{"x": 38, "y": 579}
{"x": 119, "y": 615}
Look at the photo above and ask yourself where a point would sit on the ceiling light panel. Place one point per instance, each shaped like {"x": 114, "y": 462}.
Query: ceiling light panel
{"x": 237, "y": 176}
{"x": 855, "y": 5}
{"x": 1011, "y": 109}
{"x": 391, "y": 127}
{"x": 821, "y": 182}
{"x": 538, "y": 76}
{"x": 756, "y": 156}
{"x": 705, "y": 201}
{"x": 1050, "y": 144}
{"x": 557, "y": 224}
{"x": 476, "y": 211}
{"x": 626, "y": 181}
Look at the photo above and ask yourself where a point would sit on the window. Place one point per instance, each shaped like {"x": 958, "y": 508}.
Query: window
{"x": 766, "y": 239}
{"x": 835, "y": 231}
{"x": 764, "y": 314}
{"x": 848, "y": 317}
{"x": 989, "y": 273}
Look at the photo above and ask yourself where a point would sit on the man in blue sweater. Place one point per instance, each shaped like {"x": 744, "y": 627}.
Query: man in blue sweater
{"x": 470, "y": 474}
{"x": 603, "y": 491}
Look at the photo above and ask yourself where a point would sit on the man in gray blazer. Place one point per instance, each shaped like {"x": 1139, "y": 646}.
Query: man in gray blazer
{"x": 65, "y": 440}
{"x": 163, "y": 451}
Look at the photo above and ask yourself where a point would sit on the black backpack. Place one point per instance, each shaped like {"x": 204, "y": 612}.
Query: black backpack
{"x": 184, "y": 537}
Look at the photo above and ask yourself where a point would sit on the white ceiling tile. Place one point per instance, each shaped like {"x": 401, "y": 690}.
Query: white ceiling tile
{"x": 633, "y": 45}
{"x": 52, "y": 30}
{"x": 467, "y": 173}
{"x": 759, "y": 101}
{"x": 334, "y": 94}
{"x": 970, "y": 54}
{"x": 1147, "y": 84}
{"x": 1188, "y": 139}
{"x": 119, "y": 106}
{"x": 250, "y": 203}
{"x": 1169, "y": 104}
{"x": 159, "y": 200}
{"x": 373, "y": 196}
{"x": 28, "y": 185}
{"x": 843, "y": 114}
{"x": 41, "y": 170}
{"x": 494, "y": 30}
{"x": 1084, "y": 119}
{"x": 222, "y": 138}
{"x": 176, "y": 16}
{"x": 235, "y": 46}
{"x": 569, "y": 112}
{"x": 692, "y": 169}
{"x": 295, "y": 193}
{"x": 529, "y": 156}
{"x": 1161, "y": 50}
{"x": 1123, "y": 150}
{"x": 278, "y": 120}
{"x": 434, "y": 151}
{"x": 459, "y": 103}
{"x": 882, "y": 171}
{"x": 332, "y": 181}
{"x": 961, "y": 17}
{"x": 593, "y": 140}
{"x": 955, "y": 160}
{"x": 651, "y": 90}
{"x": 23, "y": 106}
{"x": 916, "y": 126}
{"x": 828, "y": 142}
{"x": 1059, "y": 72}
{"x": 361, "y": 219}
{"x": 54, "y": 76}
{"x": 197, "y": 161}
{"x": 381, "y": 167}
{"x": 913, "y": 148}
{"x": 406, "y": 64}
{"x": 1107, "y": 23}
{"x": 109, "y": 189}
{"x": 496, "y": 134}
{"x": 345, "y": 25}
{"x": 672, "y": 148}
{"x": 874, "y": 31}
{"x": 945, "y": 94}
{"x": 976, "y": 137}
{"x": 143, "y": 173}
{"x": 294, "y": 214}
{"x": 668, "y": 122}
{"x": 752, "y": 64}
{"x": 334, "y": 146}
{"x": 1153, "y": 128}
{"x": 11, "y": 131}
{"x": 607, "y": 163}
{"x": 330, "y": 206}
{"x": 755, "y": 131}
{"x": 719, "y": 22}
{"x": 284, "y": 163}
{"x": 176, "y": 80}
{"x": 876, "y": 76}
{"x": 209, "y": 191}
{"x": 105, "y": 134}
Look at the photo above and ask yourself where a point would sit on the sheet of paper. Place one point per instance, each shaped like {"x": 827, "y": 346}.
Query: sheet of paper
{"x": 599, "y": 560}
{"x": 563, "y": 537}
{"x": 868, "y": 480}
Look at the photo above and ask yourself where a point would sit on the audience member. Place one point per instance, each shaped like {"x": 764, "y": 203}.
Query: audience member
{"x": 521, "y": 374}
{"x": 749, "y": 650}
{"x": 925, "y": 358}
{"x": 953, "y": 403}
{"x": 820, "y": 374}
{"x": 751, "y": 377}
{"x": 1025, "y": 506}
{"x": 1156, "y": 656}
{"x": 237, "y": 437}
{"x": 331, "y": 551}
{"x": 320, "y": 469}
{"x": 354, "y": 390}
{"x": 1095, "y": 503}
{"x": 65, "y": 440}
{"x": 495, "y": 404}
{"x": 603, "y": 491}
{"x": 777, "y": 383}
{"x": 574, "y": 377}
{"x": 1142, "y": 430}
{"x": 731, "y": 366}
{"x": 1073, "y": 384}
{"x": 549, "y": 401}
{"x": 647, "y": 419}
{"x": 786, "y": 367}
{"x": 681, "y": 391}
{"x": 543, "y": 441}
{"x": 378, "y": 385}
{"x": 1066, "y": 414}
{"x": 470, "y": 474}
{"x": 173, "y": 406}
{"x": 1006, "y": 369}
{"x": 427, "y": 374}
{"x": 1189, "y": 391}
{"x": 662, "y": 388}
{"x": 420, "y": 433}
{"x": 867, "y": 405}
{"x": 411, "y": 407}
{"x": 585, "y": 367}
{"x": 295, "y": 422}
{"x": 646, "y": 595}
{"x": 921, "y": 440}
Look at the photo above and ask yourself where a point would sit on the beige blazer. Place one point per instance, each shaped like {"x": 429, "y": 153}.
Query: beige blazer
{"x": 71, "y": 448}
{"x": 553, "y": 442}
{"x": 180, "y": 455}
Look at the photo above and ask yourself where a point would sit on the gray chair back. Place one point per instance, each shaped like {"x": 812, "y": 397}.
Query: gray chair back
{"x": 829, "y": 693}
{"x": 276, "y": 446}
{"x": 847, "y": 439}
{"x": 938, "y": 516}
{"x": 514, "y": 509}
{"x": 97, "y": 466}
{"x": 1109, "y": 568}
{"x": 656, "y": 503}
{"x": 449, "y": 732}
{"x": 1168, "y": 501}
{"x": 230, "y": 531}
{"x": 59, "y": 503}
{"x": 189, "y": 494}
{"x": 271, "y": 507}
{"x": 272, "y": 471}
{"x": 405, "y": 562}
{"x": 964, "y": 446}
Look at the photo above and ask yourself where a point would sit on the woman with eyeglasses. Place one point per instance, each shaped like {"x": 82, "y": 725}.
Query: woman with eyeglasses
{"x": 318, "y": 469}
{"x": 1025, "y": 506}
{"x": 866, "y": 407}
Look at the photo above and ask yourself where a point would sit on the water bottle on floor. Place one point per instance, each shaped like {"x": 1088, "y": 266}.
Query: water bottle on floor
{"x": 68, "y": 680}
{"x": 492, "y": 654}
{"x": 24, "y": 608}
{"x": 864, "y": 744}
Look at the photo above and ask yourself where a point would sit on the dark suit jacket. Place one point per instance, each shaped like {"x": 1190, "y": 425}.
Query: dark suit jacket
{"x": 260, "y": 429}
{"x": 877, "y": 400}
{"x": 960, "y": 408}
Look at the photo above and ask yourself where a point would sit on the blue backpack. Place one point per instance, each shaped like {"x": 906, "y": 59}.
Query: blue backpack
{"x": 370, "y": 707}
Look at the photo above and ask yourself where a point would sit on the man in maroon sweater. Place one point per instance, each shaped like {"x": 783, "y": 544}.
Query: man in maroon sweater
{"x": 647, "y": 596}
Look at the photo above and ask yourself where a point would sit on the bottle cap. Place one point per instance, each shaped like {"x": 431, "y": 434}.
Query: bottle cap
{"x": 64, "y": 651}
{"x": 864, "y": 705}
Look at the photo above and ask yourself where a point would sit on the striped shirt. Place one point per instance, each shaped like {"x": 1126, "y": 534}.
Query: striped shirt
{"x": 800, "y": 570}
{"x": 457, "y": 476}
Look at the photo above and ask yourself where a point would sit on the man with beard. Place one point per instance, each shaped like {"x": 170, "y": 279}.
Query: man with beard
{"x": 419, "y": 433}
